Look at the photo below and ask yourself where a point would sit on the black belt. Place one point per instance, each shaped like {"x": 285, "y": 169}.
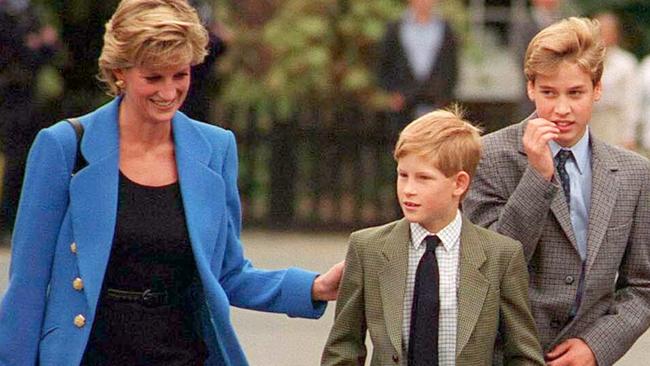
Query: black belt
{"x": 147, "y": 297}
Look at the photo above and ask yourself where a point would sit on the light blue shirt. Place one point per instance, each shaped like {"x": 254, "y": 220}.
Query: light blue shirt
{"x": 421, "y": 42}
{"x": 579, "y": 170}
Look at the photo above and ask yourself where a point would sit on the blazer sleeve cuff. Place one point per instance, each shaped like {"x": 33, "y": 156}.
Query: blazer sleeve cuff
{"x": 529, "y": 203}
{"x": 537, "y": 188}
{"x": 603, "y": 348}
{"x": 599, "y": 338}
{"x": 532, "y": 198}
{"x": 297, "y": 289}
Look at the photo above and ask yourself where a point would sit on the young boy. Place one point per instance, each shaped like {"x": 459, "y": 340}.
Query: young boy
{"x": 432, "y": 288}
{"x": 580, "y": 207}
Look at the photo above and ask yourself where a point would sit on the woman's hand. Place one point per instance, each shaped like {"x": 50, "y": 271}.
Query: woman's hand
{"x": 326, "y": 286}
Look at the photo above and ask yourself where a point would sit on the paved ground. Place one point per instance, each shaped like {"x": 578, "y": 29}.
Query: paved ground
{"x": 276, "y": 340}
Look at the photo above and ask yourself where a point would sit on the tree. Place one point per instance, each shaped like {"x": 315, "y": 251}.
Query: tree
{"x": 307, "y": 53}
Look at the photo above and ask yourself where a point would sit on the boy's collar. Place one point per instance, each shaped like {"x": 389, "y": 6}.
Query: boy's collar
{"x": 580, "y": 151}
{"x": 448, "y": 235}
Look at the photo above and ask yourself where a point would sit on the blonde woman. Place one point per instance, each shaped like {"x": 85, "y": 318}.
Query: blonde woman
{"x": 136, "y": 258}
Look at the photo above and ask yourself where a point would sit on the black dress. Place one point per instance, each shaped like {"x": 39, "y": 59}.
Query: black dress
{"x": 151, "y": 254}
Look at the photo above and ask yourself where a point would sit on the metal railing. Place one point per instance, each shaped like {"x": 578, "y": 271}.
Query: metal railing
{"x": 325, "y": 168}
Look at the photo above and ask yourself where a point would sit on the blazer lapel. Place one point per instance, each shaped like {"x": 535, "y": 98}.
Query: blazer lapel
{"x": 392, "y": 280}
{"x": 603, "y": 197}
{"x": 473, "y": 286}
{"x": 93, "y": 197}
{"x": 559, "y": 207}
{"x": 202, "y": 188}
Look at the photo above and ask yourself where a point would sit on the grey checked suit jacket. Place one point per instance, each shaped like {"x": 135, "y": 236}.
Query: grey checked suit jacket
{"x": 491, "y": 296}
{"x": 510, "y": 197}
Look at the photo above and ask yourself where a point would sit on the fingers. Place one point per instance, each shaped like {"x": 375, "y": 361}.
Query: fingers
{"x": 539, "y": 132}
{"x": 572, "y": 352}
{"x": 326, "y": 286}
{"x": 340, "y": 269}
{"x": 559, "y": 350}
{"x": 560, "y": 362}
{"x": 535, "y": 140}
{"x": 560, "y": 355}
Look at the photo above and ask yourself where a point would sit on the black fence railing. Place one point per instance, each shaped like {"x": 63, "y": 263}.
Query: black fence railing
{"x": 325, "y": 168}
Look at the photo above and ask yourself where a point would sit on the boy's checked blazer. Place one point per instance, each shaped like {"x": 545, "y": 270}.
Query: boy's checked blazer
{"x": 492, "y": 289}
{"x": 507, "y": 195}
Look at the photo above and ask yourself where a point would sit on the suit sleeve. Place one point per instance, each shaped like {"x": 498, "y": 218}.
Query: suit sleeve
{"x": 452, "y": 72}
{"x": 519, "y": 214}
{"x": 282, "y": 291}
{"x": 386, "y": 60}
{"x": 522, "y": 346}
{"x": 346, "y": 342}
{"x": 628, "y": 318}
{"x": 42, "y": 207}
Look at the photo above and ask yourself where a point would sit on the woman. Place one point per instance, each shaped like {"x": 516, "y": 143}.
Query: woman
{"x": 136, "y": 258}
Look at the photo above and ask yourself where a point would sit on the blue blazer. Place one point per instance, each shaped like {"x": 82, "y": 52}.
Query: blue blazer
{"x": 39, "y": 314}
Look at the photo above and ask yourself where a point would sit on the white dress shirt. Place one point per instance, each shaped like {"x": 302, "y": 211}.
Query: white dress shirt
{"x": 447, "y": 255}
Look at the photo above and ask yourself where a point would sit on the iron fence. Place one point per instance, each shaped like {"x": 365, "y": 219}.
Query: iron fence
{"x": 325, "y": 168}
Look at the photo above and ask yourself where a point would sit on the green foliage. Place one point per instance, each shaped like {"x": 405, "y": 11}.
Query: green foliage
{"x": 314, "y": 52}
{"x": 308, "y": 53}
{"x": 49, "y": 83}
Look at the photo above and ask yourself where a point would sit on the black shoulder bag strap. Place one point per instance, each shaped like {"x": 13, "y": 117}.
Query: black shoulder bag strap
{"x": 80, "y": 161}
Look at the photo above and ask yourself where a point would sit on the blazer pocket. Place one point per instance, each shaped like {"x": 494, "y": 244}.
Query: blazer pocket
{"x": 619, "y": 233}
{"x": 52, "y": 347}
{"x": 48, "y": 332}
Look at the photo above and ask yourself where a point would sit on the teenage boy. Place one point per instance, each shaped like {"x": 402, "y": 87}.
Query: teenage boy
{"x": 580, "y": 207}
{"x": 432, "y": 288}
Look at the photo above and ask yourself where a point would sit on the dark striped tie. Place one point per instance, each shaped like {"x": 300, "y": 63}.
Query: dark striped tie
{"x": 423, "y": 335}
{"x": 560, "y": 164}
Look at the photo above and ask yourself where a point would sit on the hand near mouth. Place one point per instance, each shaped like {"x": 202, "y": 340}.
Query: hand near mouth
{"x": 538, "y": 133}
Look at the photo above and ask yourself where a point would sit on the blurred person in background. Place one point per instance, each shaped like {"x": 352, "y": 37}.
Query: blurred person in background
{"x": 644, "y": 119}
{"x": 199, "y": 97}
{"x": 135, "y": 259}
{"x": 418, "y": 63}
{"x": 541, "y": 14}
{"x": 615, "y": 117}
{"x": 81, "y": 25}
{"x": 25, "y": 46}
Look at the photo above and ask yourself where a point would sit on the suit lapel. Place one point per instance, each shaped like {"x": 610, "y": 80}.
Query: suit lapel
{"x": 392, "y": 280}
{"x": 559, "y": 207}
{"x": 473, "y": 286}
{"x": 203, "y": 190}
{"x": 93, "y": 198}
{"x": 603, "y": 197}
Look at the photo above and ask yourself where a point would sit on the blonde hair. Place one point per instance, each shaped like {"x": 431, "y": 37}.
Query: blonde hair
{"x": 573, "y": 40}
{"x": 451, "y": 143}
{"x": 152, "y": 33}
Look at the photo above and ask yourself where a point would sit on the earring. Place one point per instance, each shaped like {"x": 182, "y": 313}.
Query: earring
{"x": 119, "y": 84}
